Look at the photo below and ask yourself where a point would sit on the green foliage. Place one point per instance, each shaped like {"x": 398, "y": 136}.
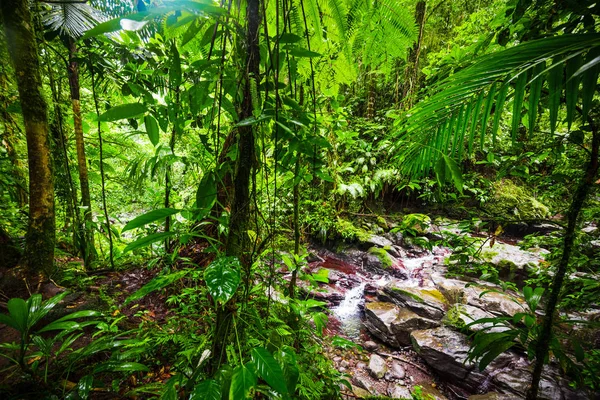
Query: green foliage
{"x": 222, "y": 278}
{"x": 511, "y": 200}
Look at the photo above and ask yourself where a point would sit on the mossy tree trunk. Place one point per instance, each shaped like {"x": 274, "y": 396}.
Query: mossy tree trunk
{"x": 237, "y": 239}
{"x": 89, "y": 253}
{"x": 411, "y": 74}
{"x": 39, "y": 243}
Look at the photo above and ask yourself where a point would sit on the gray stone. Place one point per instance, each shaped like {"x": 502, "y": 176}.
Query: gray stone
{"x": 370, "y": 345}
{"x": 377, "y": 366}
{"x": 399, "y": 392}
{"x": 426, "y": 302}
{"x": 363, "y": 381}
{"x": 344, "y": 363}
{"x": 393, "y": 324}
{"x": 337, "y": 359}
{"x": 397, "y": 370}
{"x": 496, "y": 303}
{"x": 360, "y": 392}
{"x": 361, "y": 365}
{"x": 379, "y": 241}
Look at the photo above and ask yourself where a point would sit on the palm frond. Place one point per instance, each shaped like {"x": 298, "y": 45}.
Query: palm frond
{"x": 71, "y": 19}
{"x": 438, "y": 125}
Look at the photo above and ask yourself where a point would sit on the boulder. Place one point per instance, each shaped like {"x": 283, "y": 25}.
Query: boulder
{"x": 397, "y": 371}
{"x": 377, "y": 366}
{"x": 393, "y": 324}
{"x": 510, "y": 200}
{"x": 426, "y": 302}
{"x": 497, "y": 303}
{"x": 379, "y": 241}
{"x": 460, "y": 315}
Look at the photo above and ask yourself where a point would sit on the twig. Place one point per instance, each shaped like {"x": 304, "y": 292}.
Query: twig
{"x": 404, "y": 360}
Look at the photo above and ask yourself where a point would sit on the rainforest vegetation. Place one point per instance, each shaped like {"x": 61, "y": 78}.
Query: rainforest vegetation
{"x": 299, "y": 199}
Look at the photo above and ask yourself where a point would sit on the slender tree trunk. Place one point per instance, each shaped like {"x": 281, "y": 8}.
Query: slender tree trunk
{"x": 237, "y": 239}
{"x": 168, "y": 170}
{"x": 543, "y": 345}
{"x": 371, "y": 94}
{"x": 39, "y": 244}
{"x": 90, "y": 250}
{"x": 102, "y": 175}
{"x": 411, "y": 74}
{"x": 61, "y": 158}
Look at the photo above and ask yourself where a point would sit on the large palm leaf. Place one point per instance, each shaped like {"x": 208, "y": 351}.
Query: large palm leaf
{"x": 71, "y": 19}
{"x": 468, "y": 105}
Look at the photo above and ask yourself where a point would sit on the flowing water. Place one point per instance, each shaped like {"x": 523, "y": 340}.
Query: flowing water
{"x": 348, "y": 311}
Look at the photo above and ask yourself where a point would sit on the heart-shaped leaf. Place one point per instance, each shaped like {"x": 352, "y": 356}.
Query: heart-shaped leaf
{"x": 222, "y": 278}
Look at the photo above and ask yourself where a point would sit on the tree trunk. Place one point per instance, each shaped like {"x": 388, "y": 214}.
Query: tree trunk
{"x": 543, "y": 345}
{"x": 9, "y": 138}
{"x": 237, "y": 239}
{"x": 39, "y": 243}
{"x": 411, "y": 74}
{"x": 88, "y": 235}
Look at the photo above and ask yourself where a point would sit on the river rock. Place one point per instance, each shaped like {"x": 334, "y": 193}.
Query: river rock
{"x": 426, "y": 302}
{"x": 397, "y": 370}
{"x": 377, "y": 366}
{"x": 393, "y": 324}
{"x": 362, "y": 380}
{"x": 379, "y": 241}
{"x": 464, "y": 314}
{"x": 496, "y": 303}
{"x": 490, "y": 396}
{"x": 359, "y": 392}
{"x": 399, "y": 392}
{"x": 370, "y": 345}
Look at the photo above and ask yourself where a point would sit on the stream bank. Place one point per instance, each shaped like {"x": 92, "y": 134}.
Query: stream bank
{"x": 397, "y": 300}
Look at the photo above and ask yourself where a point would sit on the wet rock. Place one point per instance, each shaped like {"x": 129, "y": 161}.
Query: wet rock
{"x": 397, "y": 370}
{"x": 361, "y": 365}
{"x": 344, "y": 363}
{"x": 363, "y": 381}
{"x": 337, "y": 359}
{"x": 460, "y": 315}
{"x": 426, "y": 302}
{"x": 399, "y": 392}
{"x": 490, "y": 396}
{"x": 369, "y": 345}
{"x": 494, "y": 302}
{"x": 444, "y": 350}
{"x": 379, "y": 241}
{"x": 377, "y": 366}
{"x": 378, "y": 261}
{"x": 314, "y": 257}
{"x": 360, "y": 392}
{"x": 395, "y": 238}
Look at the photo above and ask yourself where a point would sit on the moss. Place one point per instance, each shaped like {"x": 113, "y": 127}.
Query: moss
{"x": 488, "y": 255}
{"x": 382, "y": 255}
{"x": 436, "y": 294}
{"x": 510, "y": 200}
{"x": 349, "y": 232}
{"x": 409, "y": 294}
{"x": 453, "y": 317}
{"x": 382, "y": 223}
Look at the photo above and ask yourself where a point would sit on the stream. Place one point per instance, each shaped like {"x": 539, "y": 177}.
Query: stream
{"x": 398, "y": 314}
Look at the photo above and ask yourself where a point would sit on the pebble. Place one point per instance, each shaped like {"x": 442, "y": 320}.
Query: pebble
{"x": 342, "y": 369}
{"x": 401, "y": 382}
{"x": 337, "y": 359}
{"x": 370, "y": 345}
{"x": 361, "y": 365}
{"x": 344, "y": 364}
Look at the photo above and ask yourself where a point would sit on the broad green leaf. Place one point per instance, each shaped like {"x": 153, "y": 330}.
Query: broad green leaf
{"x": 289, "y": 38}
{"x": 192, "y": 30}
{"x": 175, "y": 76}
{"x": 493, "y": 352}
{"x": 150, "y": 216}
{"x": 533, "y": 297}
{"x": 120, "y": 367}
{"x": 268, "y": 369}
{"x": 299, "y": 52}
{"x": 243, "y": 380}
{"x": 455, "y": 173}
{"x": 147, "y": 240}
{"x": 19, "y": 312}
{"x": 123, "y": 111}
{"x": 151, "y": 129}
{"x": 222, "y": 278}
{"x": 156, "y": 284}
{"x": 207, "y": 390}
{"x": 291, "y": 372}
{"x": 320, "y": 320}
{"x": 590, "y": 80}
{"x": 39, "y": 310}
{"x": 206, "y": 195}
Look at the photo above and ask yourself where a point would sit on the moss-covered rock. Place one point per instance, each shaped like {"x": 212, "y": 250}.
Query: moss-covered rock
{"x": 382, "y": 255}
{"x": 510, "y": 201}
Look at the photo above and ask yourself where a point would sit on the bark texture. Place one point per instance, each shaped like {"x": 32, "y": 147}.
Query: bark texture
{"x": 90, "y": 250}
{"x": 39, "y": 244}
